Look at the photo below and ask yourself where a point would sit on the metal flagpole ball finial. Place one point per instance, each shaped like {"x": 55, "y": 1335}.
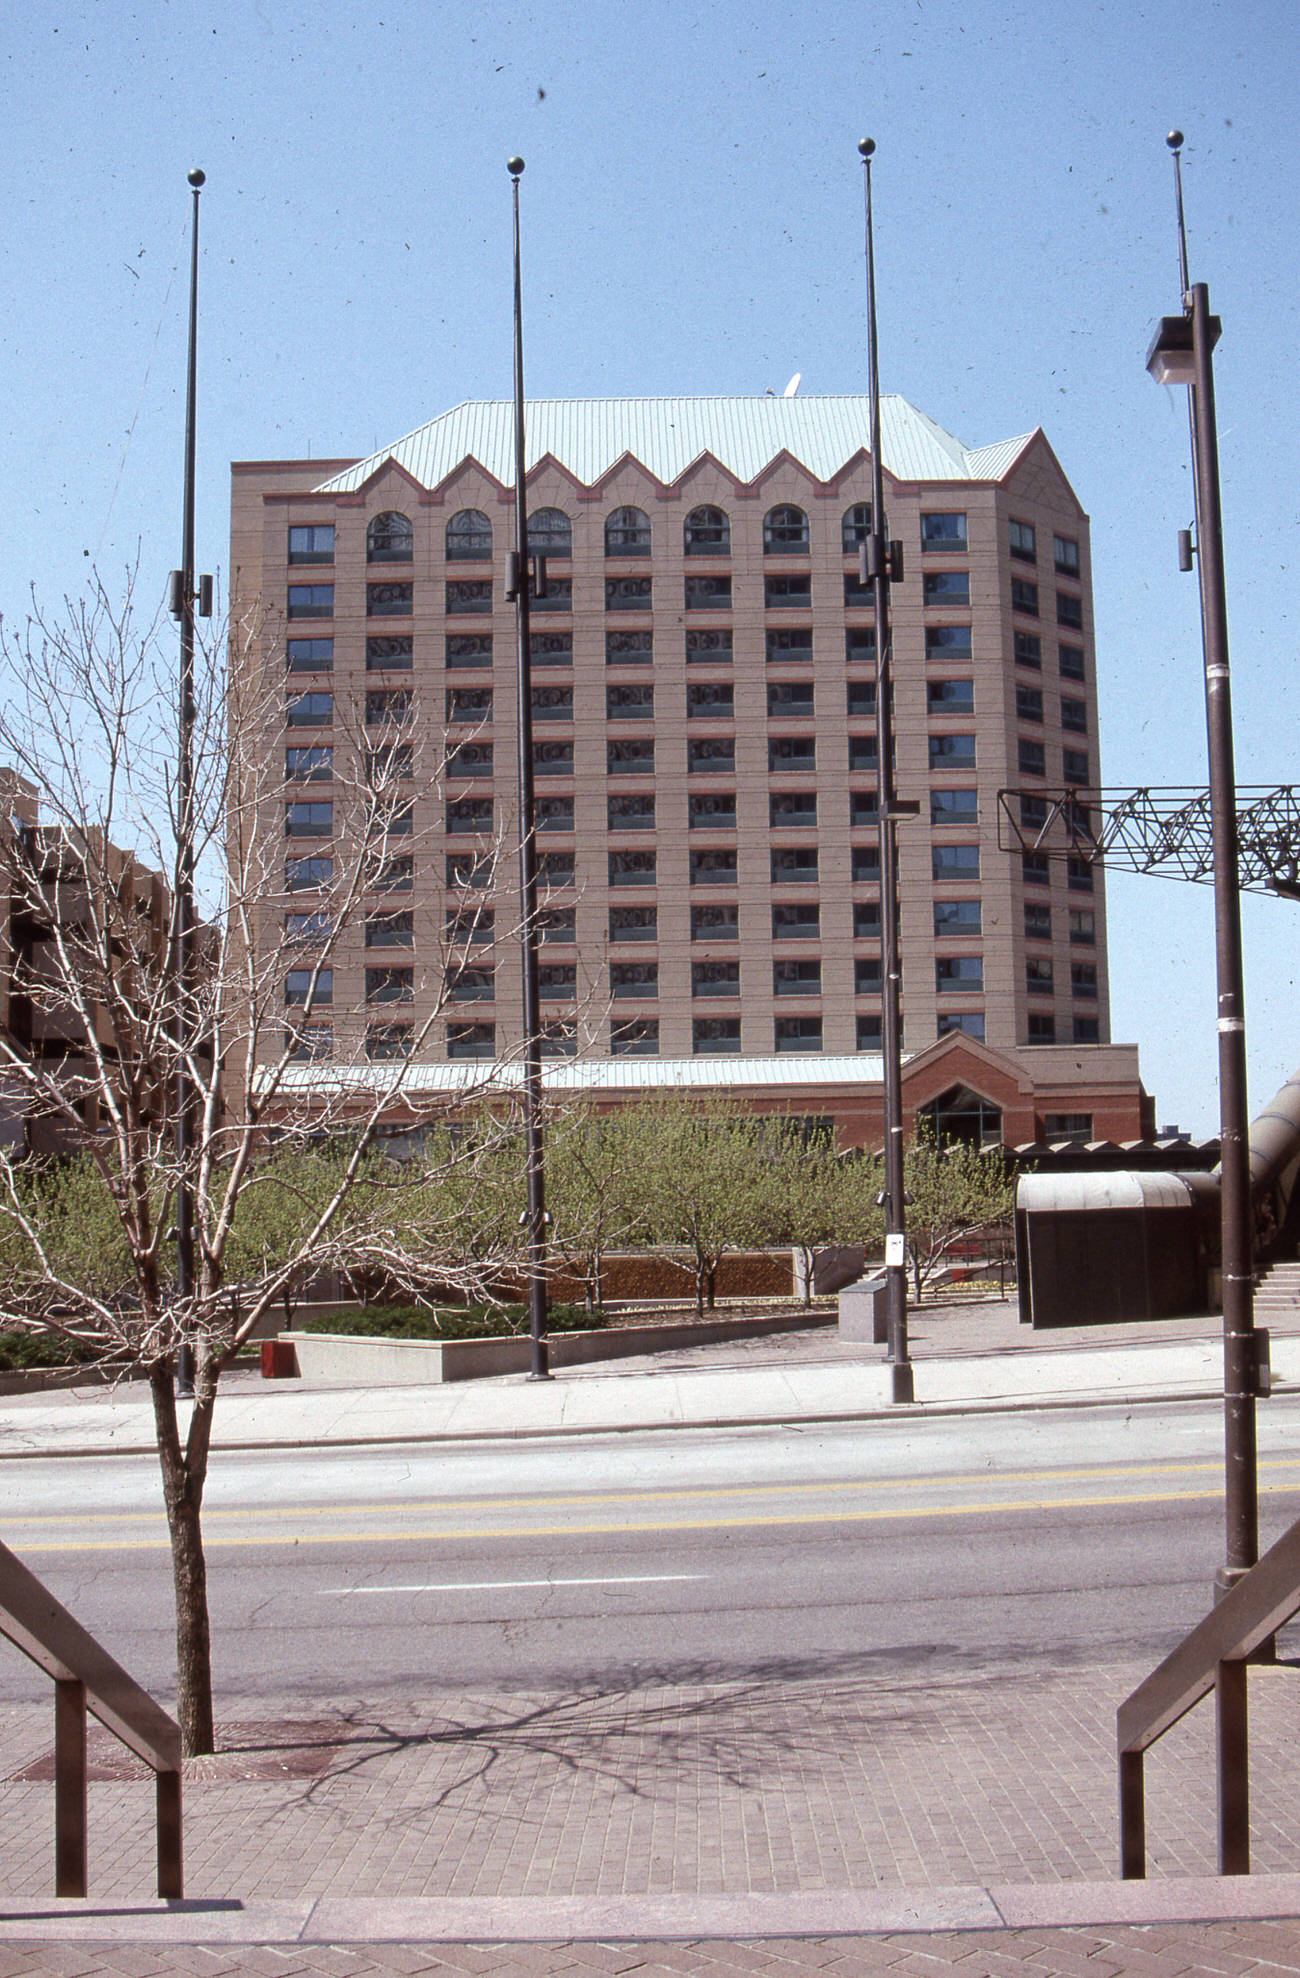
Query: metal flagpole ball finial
{"x": 1175, "y": 140}
{"x": 866, "y": 145}
{"x": 197, "y": 178}
{"x": 514, "y": 166}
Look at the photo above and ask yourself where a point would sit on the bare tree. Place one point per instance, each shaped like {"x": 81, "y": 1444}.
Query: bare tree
{"x": 269, "y": 1043}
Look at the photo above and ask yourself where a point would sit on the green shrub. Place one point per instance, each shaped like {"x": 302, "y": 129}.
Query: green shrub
{"x": 447, "y": 1322}
{"x": 21, "y": 1350}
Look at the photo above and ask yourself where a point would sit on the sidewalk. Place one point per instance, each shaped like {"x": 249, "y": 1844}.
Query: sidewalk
{"x": 966, "y": 1358}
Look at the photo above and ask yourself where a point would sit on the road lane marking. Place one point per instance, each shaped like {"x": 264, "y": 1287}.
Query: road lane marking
{"x": 504, "y": 1586}
{"x": 685, "y": 1492}
{"x": 478, "y": 1533}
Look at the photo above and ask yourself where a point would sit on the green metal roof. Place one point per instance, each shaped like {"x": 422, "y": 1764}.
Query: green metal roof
{"x": 668, "y": 435}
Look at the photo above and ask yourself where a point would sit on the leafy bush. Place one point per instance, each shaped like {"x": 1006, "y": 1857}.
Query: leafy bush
{"x": 447, "y": 1322}
{"x": 22, "y": 1350}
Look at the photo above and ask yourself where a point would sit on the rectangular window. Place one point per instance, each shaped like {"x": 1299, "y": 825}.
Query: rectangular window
{"x": 396, "y": 761}
{"x": 554, "y": 813}
{"x": 945, "y": 587}
{"x": 1033, "y": 812}
{"x": 968, "y": 1023}
{"x": 390, "y": 653}
{"x": 309, "y": 764}
{"x": 791, "y": 644}
{"x": 390, "y": 985}
{"x": 1065, "y": 555}
{"x": 1067, "y": 1126}
{"x": 464, "y": 598}
{"x": 715, "y": 923}
{"x": 715, "y": 1036}
{"x": 1038, "y": 921}
{"x": 870, "y": 1031}
{"x": 1031, "y": 757}
{"x": 791, "y": 752}
{"x": 712, "y": 700}
{"x": 1087, "y": 1030}
{"x": 557, "y": 925}
{"x": 959, "y": 975}
{"x": 633, "y": 923}
{"x": 633, "y": 981}
{"x": 466, "y": 649}
{"x": 952, "y": 751}
{"x": 557, "y": 982}
{"x": 1035, "y": 868}
{"x": 708, "y": 593}
{"x": 552, "y": 758}
{"x": 1039, "y": 979}
{"x": 311, "y": 601}
{"x": 791, "y": 591}
{"x": 713, "y": 755}
{"x": 1083, "y": 979}
{"x": 1029, "y": 703}
{"x": 715, "y": 812}
{"x": 558, "y": 1039}
{"x": 470, "y": 983}
{"x": 469, "y": 817}
{"x": 955, "y": 861}
{"x": 949, "y": 696}
{"x": 629, "y": 703}
{"x": 309, "y": 711}
{"x": 1028, "y": 649}
{"x": 310, "y": 1043}
{"x": 795, "y": 697}
{"x": 866, "y": 920}
{"x": 860, "y": 643}
{"x": 469, "y": 928}
{"x": 954, "y": 806}
{"x": 388, "y": 1042}
{"x": 312, "y": 542}
{"x": 788, "y": 808}
{"x": 1074, "y": 763}
{"x": 1078, "y": 875}
{"x": 715, "y": 978}
{"x": 307, "y": 875}
{"x": 957, "y": 917}
{"x": 864, "y": 753}
{"x": 705, "y": 648}
{"x": 390, "y": 600}
{"x": 793, "y": 866}
{"x": 630, "y": 758}
{"x": 1042, "y": 1029}
{"x": 1024, "y": 596}
{"x": 472, "y": 704}
{"x": 630, "y": 648}
{"x": 631, "y": 868}
{"x": 797, "y": 978}
{"x": 471, "y": 1040}
{"x": 797, "y": 1033}
{"x": 628, "y": 593}
{"x": 864, "y": 810}
{"x": 801, "y": 921}
{"x": 713, "y": 868}
{"x": 308, "y": 820}
{"x": 859, "y": 697}
{"x": 867, "y": 975}
{"x": 390, "y": 930}
{"x": 309, "y": 655}
{"x": 395, "y": 705}
{"x": 558, "y": 595}
{"x": 859, "y": 595}
{"x": 950, "y": 642}
{"x": 1070, "y": 660}
{"x": 1069, "y": 611}
{"x": 469, "y": 869}
{"x": 395, "y": 876}
{"x": 943, "y": 531}
{"x": 550, "y": 648}
{"x": 639, "y": 1039}
{"x": 299, "y": 991}
{"x": 1083, "y": 927}
{"x": 630, "y": 813}
{"x": 1024, "y": 541}
{"x": 552, "y": 703}
{"x": 306, "y": 930}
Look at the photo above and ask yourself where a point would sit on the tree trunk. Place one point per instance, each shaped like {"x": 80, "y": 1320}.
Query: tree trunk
{"x": 711, "y": 1284}
{"x": 182, "y": 1496}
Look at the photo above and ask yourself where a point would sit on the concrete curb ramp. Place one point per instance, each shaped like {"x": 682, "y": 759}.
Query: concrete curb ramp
{"x": 639, "y": 1918}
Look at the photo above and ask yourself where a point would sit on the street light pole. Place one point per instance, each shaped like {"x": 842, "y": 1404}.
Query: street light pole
{"x": 881, "y": 563}
{"x": 183, "y": 601}
{"x": 517, "y": 586}
{"x": 1182, "y": 353}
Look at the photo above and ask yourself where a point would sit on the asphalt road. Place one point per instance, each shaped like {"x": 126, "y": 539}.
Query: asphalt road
{"x": 956, "y": 1545}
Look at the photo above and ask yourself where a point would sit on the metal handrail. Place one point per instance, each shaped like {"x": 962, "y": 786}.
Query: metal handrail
{"x": 1212, "y": 1657}
{"x": 86, "y": 1678}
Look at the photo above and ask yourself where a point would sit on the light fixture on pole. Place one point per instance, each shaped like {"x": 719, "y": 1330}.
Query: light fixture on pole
{"x": 518, "y": 581}
{"x": 881, "y": 565}
{"x": 1182, "y": 353}
{"x": 183, "y": 600}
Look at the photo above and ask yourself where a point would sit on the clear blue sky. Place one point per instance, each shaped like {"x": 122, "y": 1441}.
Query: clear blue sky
{"x": 693, "y": 224}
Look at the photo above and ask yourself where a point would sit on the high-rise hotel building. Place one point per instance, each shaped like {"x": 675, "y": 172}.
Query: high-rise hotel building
{"x": 703, "y": 688}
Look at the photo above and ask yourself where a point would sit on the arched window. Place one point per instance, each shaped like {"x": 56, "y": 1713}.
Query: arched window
{"x": 627, "y": 532}
{"x": 960, "y": 1115}
{"x": 707, "y": 532}
{"x": 550, "y": 532}
{"x": 389, "y": 539}
{"x": 856, "y": 526}
{"x": 785, "y": 531}
{"x": 469, "y": 537}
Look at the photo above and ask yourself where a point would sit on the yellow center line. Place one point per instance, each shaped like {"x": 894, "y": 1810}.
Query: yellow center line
{"x": 451, "y": 1534}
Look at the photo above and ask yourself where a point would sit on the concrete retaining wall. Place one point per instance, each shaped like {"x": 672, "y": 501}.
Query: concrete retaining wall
{"x": 393, "y": 1362}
